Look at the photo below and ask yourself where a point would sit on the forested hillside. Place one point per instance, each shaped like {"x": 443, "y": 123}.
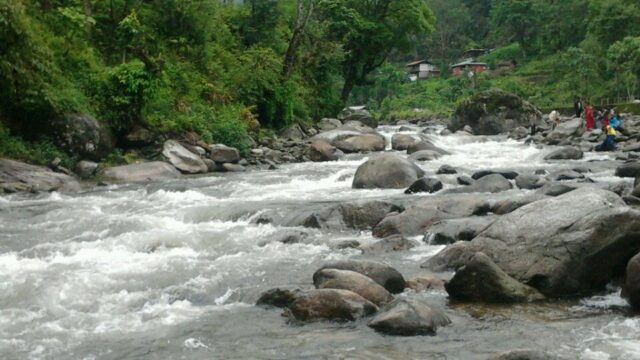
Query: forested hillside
{"x": 586, "y": 48}
{"x": 226, "y": 70}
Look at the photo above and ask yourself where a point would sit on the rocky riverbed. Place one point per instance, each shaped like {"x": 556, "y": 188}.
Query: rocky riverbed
{"x": 174, "y": 268}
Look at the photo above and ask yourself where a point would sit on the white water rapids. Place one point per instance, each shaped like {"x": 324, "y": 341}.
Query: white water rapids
{"x": 172, "y": 270}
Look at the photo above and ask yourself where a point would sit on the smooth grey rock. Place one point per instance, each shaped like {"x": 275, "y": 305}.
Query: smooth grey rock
{"x": 224, "y": 154}
{"x": 569, "y": 245}
{"x": 183, "y": 159}
{"x": 86, "y": 169}
{"x": 386, "y": 171}
{"x": 320, "y": 151}
{"x": 631, "y": 286}
{"x": 446, "y": 170}
{"x": 143, "y": 172}
{"x": 401, "y": 142}
{"x": 361, "y": 143}
{"x": 330, "y": 304}
{"x": 529, "y": 182}
{"x": 567, "y": 153}
{"x": 328, "y": 124}
{"x": 352, "y": 281}
{"x": 18, "y": 176}
{"x": 381, "y": 273}
{"x": 409, "y": 317}
{"x": 481, "y": 280}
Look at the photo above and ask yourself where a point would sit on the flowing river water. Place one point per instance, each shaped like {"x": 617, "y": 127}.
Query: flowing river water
{"x": 172, "y": 271}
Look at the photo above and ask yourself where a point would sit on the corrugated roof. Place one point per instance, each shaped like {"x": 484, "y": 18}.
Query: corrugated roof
{"x": 419, "y": 62}
{"x": 468, "y": 63}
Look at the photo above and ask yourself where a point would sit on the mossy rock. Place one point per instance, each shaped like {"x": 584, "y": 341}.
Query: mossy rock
{"x": 494, "y": 112}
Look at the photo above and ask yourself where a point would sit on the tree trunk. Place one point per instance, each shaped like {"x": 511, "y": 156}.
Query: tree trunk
{"x": 346, "y": 90}
{"x": 302, "y": 19}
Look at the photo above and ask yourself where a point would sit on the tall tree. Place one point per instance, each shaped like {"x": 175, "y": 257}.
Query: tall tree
{"x": 371, "y": 30}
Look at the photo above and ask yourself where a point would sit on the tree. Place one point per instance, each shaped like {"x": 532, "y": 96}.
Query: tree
{"x": 625, "y": 58}
{"x": 371, "y": 30}
{"x": 304, "y": 11}
{"x": 613, "y": 20}
{"x": 517, "y": 20}
{"x": 449, "y": 38}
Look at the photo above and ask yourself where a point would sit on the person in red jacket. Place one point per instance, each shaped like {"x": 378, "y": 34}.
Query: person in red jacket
{"x": 605, "y": 119}
{"x": 588, "y": 117}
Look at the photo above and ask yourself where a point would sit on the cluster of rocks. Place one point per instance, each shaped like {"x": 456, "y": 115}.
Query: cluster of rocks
{"x": 356, "y": 289}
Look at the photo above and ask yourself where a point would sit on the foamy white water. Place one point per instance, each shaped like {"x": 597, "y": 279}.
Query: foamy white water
{"x": 172, "y": 270}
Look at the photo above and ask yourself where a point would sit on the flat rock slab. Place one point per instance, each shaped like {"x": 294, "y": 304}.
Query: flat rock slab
{"x": 19, "y": 176}
{"x": 143, "y": 172}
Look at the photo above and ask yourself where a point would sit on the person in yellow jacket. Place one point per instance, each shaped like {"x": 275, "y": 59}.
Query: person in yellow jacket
{"x": 609, "y": 143}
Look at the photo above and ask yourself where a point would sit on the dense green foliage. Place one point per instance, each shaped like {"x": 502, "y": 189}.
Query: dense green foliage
{"x": 227, "y": 70}
{"x": 564, "y": 49}
{"x": 219, "y": 69}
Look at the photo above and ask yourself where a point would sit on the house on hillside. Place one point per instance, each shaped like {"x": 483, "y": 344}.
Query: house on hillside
{"x": 467, "y": 66}
{"x": 422, "y": 69}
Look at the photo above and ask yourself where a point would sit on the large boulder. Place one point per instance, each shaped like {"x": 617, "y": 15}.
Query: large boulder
{"x": 629, "y": 169}
{"x": 566, "y": 130}
{"x": 401, "y": 142}
{"x": 278, "y": 297}
{"x": 494, "y": 112}
{"x": 631, "y": 287}
{"x": 320, "y": 150}
{"x": 569, "y": 245}
{"x": 183, "y": 159}
{"x": 424, "y": 213}
{"x": 327, "y": 124}
{"x": 383, "y": 274}
{"x": 356, "y": 215}
{"x": 17, "y": 176}
{"x": 352, "y": 281}
{"x": 409, "y": 317}
{"x": 361, "y": 143}
{"x": 330, "y": 304}
{"x": 143, "y": 172}
{"x": 293, "y": 132}
{"x": 482, "y": 280}
{"x": 224, "y": 154}
{"x": 566, "y": 153}
{"x": 386, "y": 171}
{"x": 358, "y": 113}
{"x": 83, "y": 135}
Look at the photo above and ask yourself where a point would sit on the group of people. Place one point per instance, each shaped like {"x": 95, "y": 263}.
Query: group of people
{"x": 606, "y": 119}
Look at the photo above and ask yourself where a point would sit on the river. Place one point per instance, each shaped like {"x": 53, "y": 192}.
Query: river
{"x": 172, "y": 270}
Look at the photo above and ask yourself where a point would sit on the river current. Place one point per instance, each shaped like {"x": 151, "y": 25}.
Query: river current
{"x": 172, "y": 271}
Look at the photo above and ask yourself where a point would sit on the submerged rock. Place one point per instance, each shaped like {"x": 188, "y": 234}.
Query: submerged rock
{"x": 573, "y": 244}
{"x": 352, "y": 281}
{"x": 428, "y": 185}
{"x": 567, "y": 153}
{"x": 494, "y": 183}
{"x": 525, "y": 355}
{"x": 423, "y": 283}
{"x": 423, "y": 145}
{"x": 509, "y": 175}
{"x": 409, "y": 317}
{"x": 425, "y": 155}
{"x": 383, "y": 274}
{"x": 446, "y": 170}
{"x": 143, "y": 172}
{"x": 330, "y": 304}
{"x": 18, "y": 176}
{"x": 278, "y": 297}
{"x": 386, "y": 171}
{"x": 482, "y": 280}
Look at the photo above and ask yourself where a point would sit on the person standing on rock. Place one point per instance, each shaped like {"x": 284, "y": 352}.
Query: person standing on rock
{"x": 605, "y": 119}
{"x": 577, "y": 106}
{"x": 588, "y": 117}
{"x": 554, "y": 117}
